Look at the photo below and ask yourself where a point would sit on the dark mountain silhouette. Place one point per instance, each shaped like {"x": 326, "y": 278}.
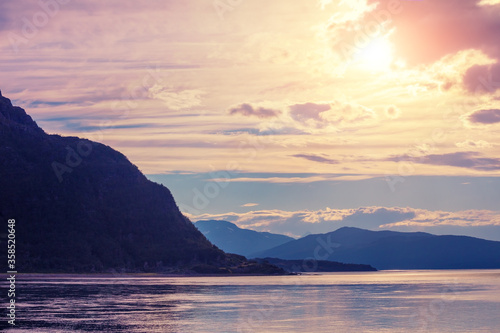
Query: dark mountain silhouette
{"x": 393, "y": 250}
{"x": 232, "y": 239}
{"x": 81, "y": 206}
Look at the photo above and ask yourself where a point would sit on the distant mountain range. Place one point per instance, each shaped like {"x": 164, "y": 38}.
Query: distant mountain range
{"x": 392, "y": 250}
{"x": 232, "y": 239}
{"x": 81, "y": 206}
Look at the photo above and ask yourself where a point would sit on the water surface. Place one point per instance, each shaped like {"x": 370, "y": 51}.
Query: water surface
{"x": 385, "y": 301}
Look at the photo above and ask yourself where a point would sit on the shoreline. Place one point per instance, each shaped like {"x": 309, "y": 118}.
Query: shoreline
{"x": 166, "y": 275}
{"x": 130, "y": 275}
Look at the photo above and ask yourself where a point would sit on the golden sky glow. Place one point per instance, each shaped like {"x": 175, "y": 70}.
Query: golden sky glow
{"x": 327, "y": 87}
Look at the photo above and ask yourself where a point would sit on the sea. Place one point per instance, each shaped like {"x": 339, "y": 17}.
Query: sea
{"x": 383, "y": 301}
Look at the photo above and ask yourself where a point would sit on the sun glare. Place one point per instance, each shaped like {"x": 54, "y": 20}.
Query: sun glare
{"x": 375, "y": 56}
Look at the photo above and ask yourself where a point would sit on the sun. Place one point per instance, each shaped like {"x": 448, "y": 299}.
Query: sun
{"x": 375, "y": 56}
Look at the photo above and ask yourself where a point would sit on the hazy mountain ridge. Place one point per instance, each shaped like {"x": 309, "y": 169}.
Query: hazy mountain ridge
{"x": 81, "y": 206}
{"x": 394, "y": 250}
{"x": 232, "y": 239}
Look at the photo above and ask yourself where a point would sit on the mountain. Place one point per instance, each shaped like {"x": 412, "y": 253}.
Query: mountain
{"x": 80, "y": 206}
{"x": 393, "y": 250}
{"x": 232, "y": 239}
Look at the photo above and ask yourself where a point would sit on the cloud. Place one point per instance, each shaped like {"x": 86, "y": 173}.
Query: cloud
{"x": 261, "y": 132}
{"x": 440, "y": 28}
{"x": 289, "y": 180}
{"x": 176, "y": 100}
{"x": 428, "y": 30}
{"x": 304, "y": 112}
{"x": 481, "y": 79}
{"x": 250, "y": 204}
{"x": 422, "y": 33}
{"x": 7, "y": 9}
{"x": 467, "y": 218}
{"x": 248, "y": 110}
{"x": 306, "y": 118}
{"x": 488, "y": 2}
{"x": 332, "y": 114}
{"x": 487, "y": 116}
{"x": 300, "y": 223}
{"x": 471, "y": 144}
{"x": 345, "y": 114}
{"x": 316, "y": 158}
{"x": 469, "y": 160}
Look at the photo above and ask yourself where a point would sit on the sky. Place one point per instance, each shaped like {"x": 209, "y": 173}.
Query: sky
{"x": 293, "y": 117}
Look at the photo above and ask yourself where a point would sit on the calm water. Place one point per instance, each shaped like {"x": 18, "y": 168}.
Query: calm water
{"x": 387, "y": 301}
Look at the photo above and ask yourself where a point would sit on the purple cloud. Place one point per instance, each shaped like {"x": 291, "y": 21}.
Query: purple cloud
{"x": 248, "y": 110}
{"x": 482, "y": 78}
{"x": 490, "y": 116}
{"x": 426, "y": 31}
{"x": 304, "y": 112}
{"x": 470, "y": 160}
{"x": 438, "y": 28}
{"x": 316, "y": 158}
